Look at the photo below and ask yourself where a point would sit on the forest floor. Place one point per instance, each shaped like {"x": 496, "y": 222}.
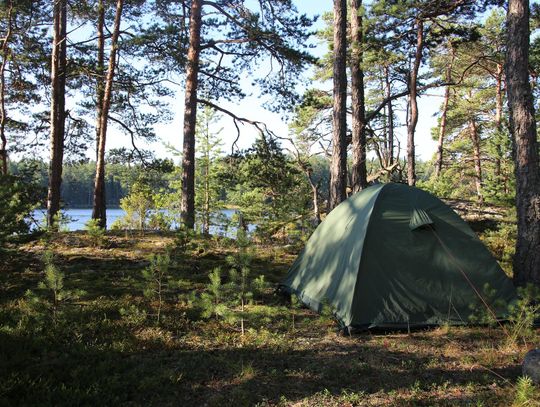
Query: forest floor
{"x": 105, "y": 347}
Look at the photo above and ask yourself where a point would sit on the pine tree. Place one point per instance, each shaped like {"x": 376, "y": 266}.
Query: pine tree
{"x": 207, "y": 186}
{"x": 523, "y": 129}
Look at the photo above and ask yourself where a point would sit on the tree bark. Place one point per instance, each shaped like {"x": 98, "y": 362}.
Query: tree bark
{"x": 358, "y": 170}
{"x": 206, "y": 211}
{"x": 99, "y": 210}
{"x": 315, "y": 195}
{"x": 100, "y": 69}
{"x": 190, "y": 116}
{"x": 413, "y": 88}
{"x": 315, "y": 198}
{"x": 338, "y": 166}
{"x": 388, "y": 94}
{"x": 58, "y": 110}
{"x": 498, "y": 119}
{"x": 523, "y": 130}
{"x": 442, "y": 128}
{"x": 442, "y": 133}
{"x": 6, "y": 52}
{"x": 475, "y": 139}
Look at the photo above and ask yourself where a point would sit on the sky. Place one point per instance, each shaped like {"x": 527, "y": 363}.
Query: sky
{"x": 251, "y": 107}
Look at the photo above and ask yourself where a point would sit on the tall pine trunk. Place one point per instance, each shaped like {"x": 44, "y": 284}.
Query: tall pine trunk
{"x": 3, "y": 115}
{"x": 100, "y": 69}
{"x": 413, "y": 89}
{"x": 190, "y": 116}
{"x": 442, "y": 132}
{"x": 442, "y": 127}
{"x": 475, "y": 140}
{"x": 523, "y": 129}
{"x": 498, "y": 120}
{"x": 206, "y": 209}
{"x": 338, "y": 166}
{"x": 390, "y": 110}
{"x": 58, "y": 110}
{"x": 99, "y": 210}
{"x": 359, "y": 170}
{"x": 315, "y": 201}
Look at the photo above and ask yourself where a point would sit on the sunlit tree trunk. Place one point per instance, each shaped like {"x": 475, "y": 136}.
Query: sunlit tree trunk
{"x": 413, "y": 90}
{"x": 358, "y": 170}
{"x": 100, "y": 68}
{"x": 442, "y": 132}
{"x": 58, "y": 110}
{"x": 475, "y": 140}
{"x": 3, "y": 115}
{"x": 190, "y": 116}
{"x": 498, "y": 119}
{"x": 387, "y": 95}
{"x": 523, "y": 129}
{"x": 99, "y": 211}
{"x": 442, "y": 127}
{"x": 338, "y": 166}
{"x": 206, "y": 210}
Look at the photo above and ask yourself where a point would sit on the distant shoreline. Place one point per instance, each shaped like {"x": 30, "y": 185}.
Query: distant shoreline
{"x": 67, "y": 208}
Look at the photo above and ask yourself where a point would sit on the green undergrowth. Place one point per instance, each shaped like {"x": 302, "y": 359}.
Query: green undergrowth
{"x": 87, "y": 332}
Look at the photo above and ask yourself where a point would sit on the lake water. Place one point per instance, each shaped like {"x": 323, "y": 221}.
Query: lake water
{"x": 76, "y": 219}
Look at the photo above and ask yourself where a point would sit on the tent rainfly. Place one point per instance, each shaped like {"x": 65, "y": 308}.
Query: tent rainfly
{"x": 394, "y": 256}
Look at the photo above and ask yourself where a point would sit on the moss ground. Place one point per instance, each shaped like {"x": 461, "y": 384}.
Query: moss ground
{"x": 105, "y": 347}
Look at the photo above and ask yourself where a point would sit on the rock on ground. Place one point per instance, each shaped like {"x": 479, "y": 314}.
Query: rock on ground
{"x": 531, "y": 365}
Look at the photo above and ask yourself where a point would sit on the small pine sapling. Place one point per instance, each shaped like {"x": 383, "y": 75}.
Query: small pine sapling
{"x": 156, "y": 277}
{"x": 260, "y": 285}
{"x": 526, "y": 392}
{"x": 212, "y": 300}
{"x": 483, "y": 315}
{"x": 296, "y": 304}
{"x": 239, "y": 274}
{"x": 95, "y": 232}
{"x": 522, "y": 314}
{"x": 183, "y": 242}
{"x": 53, "y": 284}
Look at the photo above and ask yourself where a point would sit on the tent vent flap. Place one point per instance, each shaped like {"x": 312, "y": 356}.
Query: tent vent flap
{"x": 419, "y": 219}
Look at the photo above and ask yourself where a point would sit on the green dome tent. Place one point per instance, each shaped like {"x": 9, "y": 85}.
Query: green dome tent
{"x": 394, "y": 256}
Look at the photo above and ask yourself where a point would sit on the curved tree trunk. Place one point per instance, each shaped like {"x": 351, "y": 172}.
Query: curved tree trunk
{"x": 359, "y": 170}
{"x": 3, "y": 116}
{"x": 523, "y": 129}
{"x": 99, "y": 210}
{"x": 413, "y": 90}
{"x": 190, "y": 116}
{"x": 58, "y": 110}
{"x": 338, "y": 166}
